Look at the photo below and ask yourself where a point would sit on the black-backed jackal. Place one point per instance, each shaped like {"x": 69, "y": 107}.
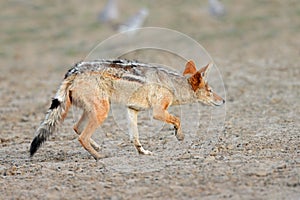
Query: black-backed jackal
{"x": 91, "y": 86}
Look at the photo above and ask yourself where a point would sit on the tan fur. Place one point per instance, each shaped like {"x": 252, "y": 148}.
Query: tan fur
{"x": 91, "y": 86}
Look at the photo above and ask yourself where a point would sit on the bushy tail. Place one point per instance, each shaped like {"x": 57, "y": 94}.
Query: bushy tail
{"x": 55, "y": 115}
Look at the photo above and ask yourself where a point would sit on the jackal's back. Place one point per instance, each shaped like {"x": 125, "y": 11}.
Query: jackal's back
{"x": 132, "y": 71}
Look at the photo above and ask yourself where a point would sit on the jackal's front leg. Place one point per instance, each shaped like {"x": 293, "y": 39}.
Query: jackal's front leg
{"x": 133, "y": 132}
{"x": 160, "y": 113}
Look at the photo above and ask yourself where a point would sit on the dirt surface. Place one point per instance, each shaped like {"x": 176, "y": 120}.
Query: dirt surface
{"x": 256, "y": 155}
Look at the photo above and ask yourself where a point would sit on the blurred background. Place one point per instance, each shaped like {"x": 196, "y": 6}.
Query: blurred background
{"x": 58, "y": 33}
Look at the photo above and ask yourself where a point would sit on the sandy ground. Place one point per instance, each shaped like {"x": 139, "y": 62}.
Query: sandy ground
{"x": 254, "y": 155}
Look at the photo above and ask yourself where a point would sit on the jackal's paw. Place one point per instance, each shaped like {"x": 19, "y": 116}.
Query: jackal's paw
{"x": 98, "y": 157}
{"x": 146, "y": 152}
{"x": 95, "y": 145}
{"x": 178, "y": 133}
{"x": 180, "y": 137}
{"x": 142, "y": 151}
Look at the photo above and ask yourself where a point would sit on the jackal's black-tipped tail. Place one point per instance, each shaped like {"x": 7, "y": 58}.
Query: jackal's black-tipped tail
{"x": 39, "y": 140}
{"x": 55, "y": 115}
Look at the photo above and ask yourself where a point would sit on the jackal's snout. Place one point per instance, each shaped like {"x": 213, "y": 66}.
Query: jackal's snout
{"x": 217, "y": 100}
{"x": 208, "y": 97}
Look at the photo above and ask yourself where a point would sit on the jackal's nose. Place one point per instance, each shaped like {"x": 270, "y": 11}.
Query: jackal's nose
{"x": 223, "y": 101}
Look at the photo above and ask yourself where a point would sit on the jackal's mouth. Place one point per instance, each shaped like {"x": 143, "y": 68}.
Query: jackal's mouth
{"x": 218, "y": 103}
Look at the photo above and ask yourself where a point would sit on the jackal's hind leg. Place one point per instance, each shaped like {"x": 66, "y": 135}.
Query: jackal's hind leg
{"x": 160, "y": 113}
{"x": 133, "y": 132}
{"x": 95, "y": 116}
{"x": 78, "y": 128}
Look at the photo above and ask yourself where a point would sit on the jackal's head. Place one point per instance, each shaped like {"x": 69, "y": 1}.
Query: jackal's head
{"x": 198, "y": 82}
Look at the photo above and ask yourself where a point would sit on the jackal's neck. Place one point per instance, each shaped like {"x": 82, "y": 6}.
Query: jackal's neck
{"x": 184, "y": 93}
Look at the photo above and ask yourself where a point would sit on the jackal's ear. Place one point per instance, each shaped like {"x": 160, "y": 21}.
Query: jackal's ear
{"x": 190, "y": 68}
{"x": 195, "y": 81}
{"x": 199, "y": 79}
{"x": 204, "y": 71}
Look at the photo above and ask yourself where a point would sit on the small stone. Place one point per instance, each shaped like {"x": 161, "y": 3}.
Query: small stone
{"x": 24, "y": 119}
{"x": 209, "y": 159}
{"x": 281, "y": 166}
{"x": 261, "y": 173}
{"x": 214, "y": 152}
{"x": 230, "y": 147}
{"x": 185, "y": 156}
{"x": 109, "y": 135}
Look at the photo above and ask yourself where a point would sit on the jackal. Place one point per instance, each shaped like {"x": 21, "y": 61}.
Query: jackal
{"x": 92, "y": 85}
